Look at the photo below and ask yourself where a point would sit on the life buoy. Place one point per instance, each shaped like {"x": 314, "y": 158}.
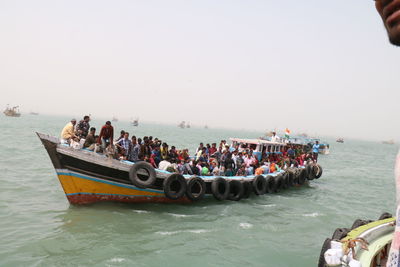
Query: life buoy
{"x": 259, "y": 185}
{"x": 195, "y": 189}
{"x": 174, "y": 186}
{"x": 236, "y": 190}
{"x": 220, "y": 188}
{"x": 247, "y": 189}
{"x": 142, "y": 174}
{"x": 317, "y": 171}
{"x": 271, "y": 185}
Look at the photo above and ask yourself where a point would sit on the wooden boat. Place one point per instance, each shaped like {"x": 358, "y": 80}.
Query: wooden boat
{"x": 366, "y": 243}
{"x": 12, "y": 112}
{"x": 88, "y": 177}
{"x": 388, "y": 142}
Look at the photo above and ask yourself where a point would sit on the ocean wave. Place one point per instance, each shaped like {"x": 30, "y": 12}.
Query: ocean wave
{"x": 245, "y": 225}
{"x": 314, "y": 214}
{"x": 196, "y": 231}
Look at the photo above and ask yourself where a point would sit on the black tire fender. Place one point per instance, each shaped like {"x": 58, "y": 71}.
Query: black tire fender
{"x": 236, "y": 190}
{"x": 247, "y": 189}
{"x": 195, "y": 189}
{"x": 139, "y": 180}
{"x": 340, "y": 233}
{"x": 318, "y": 171}
{"x": 220, "y": 188}
{"x": 310, "y": 171}
{"x": 174, "y": 186}
{"x": 385, "y": 215}
{"x": 278, "y": 182}
{"x": 325, "y": 247}
{"x": 302, "y": 176}
{"x": 271, "y": 184}
{"x": 259, "y": 185}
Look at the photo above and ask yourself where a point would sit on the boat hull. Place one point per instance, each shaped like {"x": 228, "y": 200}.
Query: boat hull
{"x": 84, "y": 189}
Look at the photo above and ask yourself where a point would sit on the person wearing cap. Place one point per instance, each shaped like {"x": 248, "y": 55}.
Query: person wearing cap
{"x": 68, "y": 133}
{"x": 106, "y": 135}
{"x": 389, "y": 10}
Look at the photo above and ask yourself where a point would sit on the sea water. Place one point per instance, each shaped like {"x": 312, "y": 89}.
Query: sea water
{"x": 38, "y": 227}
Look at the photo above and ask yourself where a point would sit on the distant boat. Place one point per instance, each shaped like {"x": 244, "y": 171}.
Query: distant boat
{"x": 388, "y": 142}
{"x": 135, "y": 122}
{"x": 114, "y": 119}
{"x": 33, "y": 113}
{"x": 205, "y": 127}
{"x": 187, "y": 125}
{"x": 12, "y": 112}
{"x": 182, "y": 125}
{"x": 340, "y": 140}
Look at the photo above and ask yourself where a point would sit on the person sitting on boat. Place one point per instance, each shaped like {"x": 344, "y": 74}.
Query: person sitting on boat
{"x": 134, "y": 152}
{"x": 265, "y": 166}
{"x": 90, "y": 141}
{"x": 164, "y": 151}
{"x": 259, "y": 170}
{"x": 241, "y": 171}
{"x": 164, "y": 164}
{"x": 172, "y": 153}
{"x": 315, "y": 151}
{"x": 275, "y": 138}
{"x": 212, "y": 149}
{"x": 215, "y": 169}
{"x": 106, "y": 135}
{"x": 68, "y": 133}
{"x": 125, "y": 145}
{"x": 200, "y": 147}
{"x": 82, "y": 128}
{"x": 121, "y": 135}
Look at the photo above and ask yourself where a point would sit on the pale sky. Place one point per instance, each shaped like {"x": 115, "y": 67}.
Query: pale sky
{"x": 313, "y": 66}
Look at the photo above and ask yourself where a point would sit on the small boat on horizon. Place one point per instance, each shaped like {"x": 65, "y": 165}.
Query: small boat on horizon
{"x": 388, "y": 142}
{"x": 12, "y": 112}
{"x": 33, "y": 113}
{"x": 340, "y": 140}
{"x": 182, "y": 125}
{"x": 115, "y": 119}
{"x": 135, "y": 122}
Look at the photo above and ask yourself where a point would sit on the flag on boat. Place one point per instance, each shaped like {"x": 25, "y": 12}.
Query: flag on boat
{"x": 287, "y": 133}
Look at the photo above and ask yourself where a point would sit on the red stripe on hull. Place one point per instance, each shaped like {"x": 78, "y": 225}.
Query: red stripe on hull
{"x": 93, "y": 198}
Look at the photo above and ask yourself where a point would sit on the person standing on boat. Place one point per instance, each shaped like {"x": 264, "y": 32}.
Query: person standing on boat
{"x": 68, "y": 132}
{"x": 275, "y": 138}
{"x": 315, "y": 151}
{"x": 106, "y": 135}
{"x": 125, "y": 144}
{"x": 389, "y": 10}
{"x": 82, "y": 128}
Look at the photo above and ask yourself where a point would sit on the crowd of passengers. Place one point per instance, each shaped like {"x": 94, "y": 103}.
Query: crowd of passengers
{"x": 221, "y": 160}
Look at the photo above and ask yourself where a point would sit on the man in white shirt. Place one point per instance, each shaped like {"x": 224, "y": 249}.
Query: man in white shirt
{"x": 275, "y": 138}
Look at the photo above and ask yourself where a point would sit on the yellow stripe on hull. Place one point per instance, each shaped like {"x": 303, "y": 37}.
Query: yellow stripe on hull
{"x": 73, "y": 184}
